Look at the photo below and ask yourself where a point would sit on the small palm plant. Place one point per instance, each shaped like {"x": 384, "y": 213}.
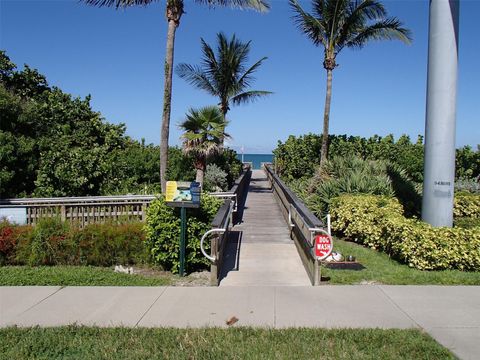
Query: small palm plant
{"x": 338, "y": 24}
{"x": 204, "y": 130}
{"x": 224, "y": 74}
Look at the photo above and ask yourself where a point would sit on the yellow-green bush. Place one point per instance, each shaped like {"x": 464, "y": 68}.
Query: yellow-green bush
{"x": 378, "y": 222}
{"x": 466, "y": 205}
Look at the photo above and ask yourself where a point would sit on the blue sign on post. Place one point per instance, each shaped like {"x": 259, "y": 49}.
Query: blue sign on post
{"x": 183, "y": 195}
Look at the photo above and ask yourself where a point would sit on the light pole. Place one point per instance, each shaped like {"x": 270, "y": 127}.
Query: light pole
{"x": 439, "y": 168}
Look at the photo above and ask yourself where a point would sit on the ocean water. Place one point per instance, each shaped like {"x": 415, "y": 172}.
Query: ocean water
{"x": 256, "y": 159}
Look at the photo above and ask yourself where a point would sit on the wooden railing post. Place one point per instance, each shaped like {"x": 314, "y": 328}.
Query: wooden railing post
{"x": 63, "y": 213}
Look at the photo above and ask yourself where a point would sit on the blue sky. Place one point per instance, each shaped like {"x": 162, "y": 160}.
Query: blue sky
{"x": 117, "y": 57}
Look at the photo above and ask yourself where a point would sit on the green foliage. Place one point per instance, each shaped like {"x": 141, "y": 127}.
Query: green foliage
{"x": 341, "y": 175}
{"x": 378, "y": 222}
{"x": 49, "y": 244}
{"x": 467, "y": 163}
{"x": 53, "y": 144}
{"x": 215, "y": 179}
{"x": 180, "y": 166}
{"x": 468, "y": 185}
{"x": 52, "y": 242}
{"x": 228, "y": 162}
{"x": 466, "y": 205}
{"x": 163, "y": 233}
{"x": 298, "y": 156}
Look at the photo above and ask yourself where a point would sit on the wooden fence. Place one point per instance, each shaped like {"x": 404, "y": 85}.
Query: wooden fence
{"x": 81, "y": 210}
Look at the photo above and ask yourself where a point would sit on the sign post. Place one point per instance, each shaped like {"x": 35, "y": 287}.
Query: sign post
{"x": 183, "y": 195}
{"x": 323, "y": 247}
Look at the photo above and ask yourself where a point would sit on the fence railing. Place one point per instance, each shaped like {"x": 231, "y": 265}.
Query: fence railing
{"x": 304, "y": 225}
{"x": 228, "y": 214}
{"x": 96, "y": 209}
{"x": 80, "y": 210}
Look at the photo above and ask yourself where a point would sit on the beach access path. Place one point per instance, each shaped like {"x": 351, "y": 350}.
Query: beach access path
{"x": 260, "y": 251}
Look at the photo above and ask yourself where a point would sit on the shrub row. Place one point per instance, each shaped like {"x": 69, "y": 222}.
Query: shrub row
{"x": 52, "y": 242}
{"x": 163, "y": 233}
{"x": 378, "y": 222}
{"x": 467, "y": 205}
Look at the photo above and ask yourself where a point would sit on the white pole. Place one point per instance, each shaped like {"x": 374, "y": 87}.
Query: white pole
{"x": 439, "y": 168}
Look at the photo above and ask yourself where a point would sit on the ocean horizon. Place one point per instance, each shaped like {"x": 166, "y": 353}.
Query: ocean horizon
{"x": 255, "y": 159}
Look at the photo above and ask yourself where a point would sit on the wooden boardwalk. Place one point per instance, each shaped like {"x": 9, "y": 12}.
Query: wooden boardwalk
{"x": 260, "y": 251}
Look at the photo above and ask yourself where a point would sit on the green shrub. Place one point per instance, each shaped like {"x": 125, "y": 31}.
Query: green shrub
{"x": 378, "y": 222}
{"x": 228, "y": 162}
{"x": 466, "y": 205}
{"x": 52, "y": 242}
{"x": 298, "y": 156}
{"x": 215, "y": 179}
{"x": 468, "y": 185}
{"x": 163, "y": 233}
{"x": 111, "y": 244}
{"x": 340, "y": 175}
{"x": 466, "y": 222}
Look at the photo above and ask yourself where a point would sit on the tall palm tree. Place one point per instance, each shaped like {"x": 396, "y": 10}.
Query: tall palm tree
{"x": 203, "y": 131}
{"x": 173, "y": 12}
{"x": 224, "y": 74}
{"x": 339, "y": 24}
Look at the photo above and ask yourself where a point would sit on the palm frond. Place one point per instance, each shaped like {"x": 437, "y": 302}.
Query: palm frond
{"x": 118, "y": 3}
{"x": 249, "y": 96}
{"x": 246, "y": 79}
{"x": 203, "y": 130}
{"x": 195, "y": 76}
{"x": 309, "y": 25}
{"x": 388, "y": 29}
{"x": 258, "y": 5}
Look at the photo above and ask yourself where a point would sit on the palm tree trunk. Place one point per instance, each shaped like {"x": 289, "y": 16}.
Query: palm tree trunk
{"x": 224, "y": 110}
{"x": 167, "y": 100}
{"x": 326, "y": 118}
{"x": 200, "y": 172}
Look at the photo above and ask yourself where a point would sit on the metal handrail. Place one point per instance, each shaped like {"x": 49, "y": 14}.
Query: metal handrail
{"x": 211, "y": 231}
{"x": 216, "y": 230}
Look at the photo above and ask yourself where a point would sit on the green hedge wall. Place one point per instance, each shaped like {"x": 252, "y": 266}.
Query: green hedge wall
{"x": 52, "y": 242}
{"x": 378, "y": 222}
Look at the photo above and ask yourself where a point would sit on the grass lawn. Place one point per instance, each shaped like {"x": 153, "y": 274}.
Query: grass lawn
{"x": 214, "y": 343}
{"x": 74, "y": 276}
{"x": 379, "y": 268}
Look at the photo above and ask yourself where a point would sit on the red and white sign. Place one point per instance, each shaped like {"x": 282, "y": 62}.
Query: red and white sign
{"x": 323, "y": 246}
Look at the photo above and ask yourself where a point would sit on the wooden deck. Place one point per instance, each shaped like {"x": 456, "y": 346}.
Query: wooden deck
{"x": 260, "y": 251}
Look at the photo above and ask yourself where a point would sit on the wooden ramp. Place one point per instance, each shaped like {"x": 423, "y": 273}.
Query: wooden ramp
{"x": 260, "y": 251}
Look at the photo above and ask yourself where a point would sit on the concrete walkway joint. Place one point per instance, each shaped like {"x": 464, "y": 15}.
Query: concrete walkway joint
{"x": 450, "y": 314}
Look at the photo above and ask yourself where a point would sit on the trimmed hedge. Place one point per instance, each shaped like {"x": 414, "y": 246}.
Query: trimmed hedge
{"x": 466, "y": 205}
{"x": 378, "y": 222}
{"x": 52, "y": 242}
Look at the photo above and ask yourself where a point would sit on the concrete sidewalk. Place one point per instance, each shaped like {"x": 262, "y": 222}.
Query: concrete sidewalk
{"x": 451, "y": 314}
